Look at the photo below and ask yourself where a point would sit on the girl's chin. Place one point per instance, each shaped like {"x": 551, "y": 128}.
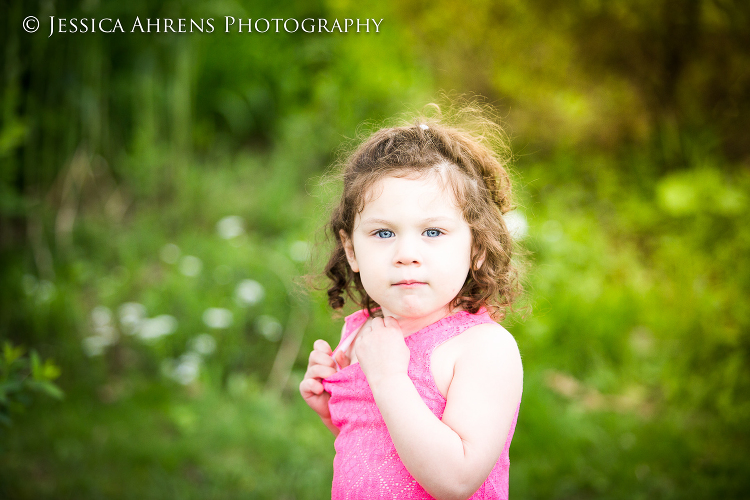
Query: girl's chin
{"x": 415, "y": 312}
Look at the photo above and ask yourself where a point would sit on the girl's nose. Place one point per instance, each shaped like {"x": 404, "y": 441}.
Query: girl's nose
{"x": 407, "y": 252}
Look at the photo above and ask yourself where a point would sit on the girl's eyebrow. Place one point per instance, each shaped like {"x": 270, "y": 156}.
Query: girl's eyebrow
{"x": 441, "y": 218}
{"x": 372, "y": 220}
{"x": 429, "y": 220}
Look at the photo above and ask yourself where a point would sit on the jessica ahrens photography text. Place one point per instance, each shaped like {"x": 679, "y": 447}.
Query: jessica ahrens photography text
{"x": 227, "y": 24}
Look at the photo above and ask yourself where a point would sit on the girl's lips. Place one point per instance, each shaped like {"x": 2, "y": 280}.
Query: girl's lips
{"x": 409, "y": 284}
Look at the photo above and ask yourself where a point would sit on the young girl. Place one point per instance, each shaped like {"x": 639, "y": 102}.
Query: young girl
{"x": 423, "y": 391}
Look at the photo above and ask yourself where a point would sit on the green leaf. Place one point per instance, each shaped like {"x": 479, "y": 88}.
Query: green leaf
{"x": 10, "y": 353}
{"x": 36, "y": 365}
{"x": 50, "y": 371}
{"x": 51, "y": 390}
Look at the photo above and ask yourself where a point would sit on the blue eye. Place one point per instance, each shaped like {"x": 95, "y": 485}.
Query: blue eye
{"x": 384, "y": 233}
{"x": 432, "y": 233}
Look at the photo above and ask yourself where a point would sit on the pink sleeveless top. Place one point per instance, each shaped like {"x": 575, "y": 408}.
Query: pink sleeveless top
{"x": 366, "y": 464}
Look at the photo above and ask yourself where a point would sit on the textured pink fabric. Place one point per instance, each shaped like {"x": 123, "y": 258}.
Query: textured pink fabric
{"x": 366, "y": 465}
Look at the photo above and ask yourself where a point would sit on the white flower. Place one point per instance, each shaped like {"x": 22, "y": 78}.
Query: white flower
{"x": 299, "y": 251}
{"x": 517, "y": 224}
{"x": 101, "y": 315}
{"x": 187, "y": 369}
{"x": 170, "y": 253}
{"x": 248, "y": 293}
{"x": 107, "y": 333}
{"x": 131, "y": 315}
{"x": 230, "y": 227}
{"x": 94, "y": 346}
{"x": 46, "y": 291}
{"x": 217, "y": 317}
{"x": 154, "y": 328}
{"x": 204, "y": 344}
{"x": 190, "y": 265}
{"x": 269, "y": 327}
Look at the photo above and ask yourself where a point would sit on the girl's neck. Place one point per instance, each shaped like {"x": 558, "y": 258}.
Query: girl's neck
{"x": 412, "y": 325}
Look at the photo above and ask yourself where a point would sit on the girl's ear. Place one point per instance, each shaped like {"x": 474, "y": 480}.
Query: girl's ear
{"x": 480, "y": 260}
{"x": 346, "y": 241}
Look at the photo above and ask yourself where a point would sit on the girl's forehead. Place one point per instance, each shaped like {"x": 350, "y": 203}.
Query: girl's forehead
{"x": 428, "y": 191}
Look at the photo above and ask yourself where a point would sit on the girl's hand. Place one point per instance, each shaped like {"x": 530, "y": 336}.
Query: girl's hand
{"x": 381, "y": 350}
{"x": 319, "y": 367}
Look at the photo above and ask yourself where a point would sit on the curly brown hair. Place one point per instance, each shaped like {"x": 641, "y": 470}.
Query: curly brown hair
{"x": 473, "y": 163}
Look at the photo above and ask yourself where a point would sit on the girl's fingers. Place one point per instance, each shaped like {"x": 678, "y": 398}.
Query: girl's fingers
{"x": 324, "y": 371}
{"x": 322, "y": 346}
{"x": 316, "y": 387}
{"x": 320, "y": 372}
{"x": 311, "y": 386}
{"x": 390, "y": 322}
{"x": 320, "y": 358}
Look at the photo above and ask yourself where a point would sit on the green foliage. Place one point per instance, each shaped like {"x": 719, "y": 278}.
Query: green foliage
{"x": 21, "y": 377}
{"x": 633, "y": 350}
{"x": 151, "y": 440}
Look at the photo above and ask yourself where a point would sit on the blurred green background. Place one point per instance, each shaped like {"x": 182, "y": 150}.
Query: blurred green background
{"x": 160, "y": 198}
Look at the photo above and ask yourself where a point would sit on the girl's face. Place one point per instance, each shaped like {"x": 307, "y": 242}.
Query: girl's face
{"x": 412, "y": 247}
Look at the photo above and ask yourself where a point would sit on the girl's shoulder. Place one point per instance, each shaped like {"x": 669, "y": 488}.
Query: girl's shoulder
{"x": 484, "y": 342}
{"x": 495, "y": 350}
{"x": 480, "y": 330}
{"x": 484, "y": 355}
{"x": 491, "y": 354}
{"x": 489, "y": 334}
